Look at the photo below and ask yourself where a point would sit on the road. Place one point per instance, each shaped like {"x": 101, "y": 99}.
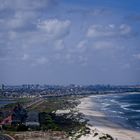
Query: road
{"x": 36, "y": 102}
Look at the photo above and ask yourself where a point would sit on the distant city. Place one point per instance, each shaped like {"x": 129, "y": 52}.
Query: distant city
{"x": 36, "y": 90}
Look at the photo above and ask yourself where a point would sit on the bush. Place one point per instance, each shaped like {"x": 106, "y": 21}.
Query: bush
{"x": 22, "y": 127}
{"x": 9, "y": 127}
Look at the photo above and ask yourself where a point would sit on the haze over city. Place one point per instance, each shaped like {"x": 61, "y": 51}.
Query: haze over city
{"x": 69, "y": 41}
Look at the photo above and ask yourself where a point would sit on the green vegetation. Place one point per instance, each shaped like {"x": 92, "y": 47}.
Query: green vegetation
{"x": 68, "y": 123}
{"x": 57, "y": 103}
{"x": 14, "y": 128}
{"x": 71, "y": 123}
{"x": 106, "y": 137}
{"x": 24, "y": 100}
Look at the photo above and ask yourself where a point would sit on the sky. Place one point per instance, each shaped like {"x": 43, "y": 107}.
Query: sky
{"x": 70, "y": 42}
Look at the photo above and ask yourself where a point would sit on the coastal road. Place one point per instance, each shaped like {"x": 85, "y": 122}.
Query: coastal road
{"x": 36, "y": 102}
{"x": 5, "y": 137}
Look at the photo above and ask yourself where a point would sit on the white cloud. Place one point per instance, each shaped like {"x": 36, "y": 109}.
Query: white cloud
{"x": 111, "y": 26}
{"x": 21, "y": 13}
{"x": 15, "y": 23}
{"x": 98, "y": 31}
{"x": 126, "y": 66}
{"x": 83, "y": 60}
{"x": 102, "y": 45}
{"x": 49, "y": 33}
{"x": 108, "y": 30}
{"x": 90, "y": 12}
{"x": 82, "y": 45}
{"x": 25, "y": 57}
{"x": 12, "y": 35}
{"x": 55, "y": 28}
{"x": 41, "y": 60}
{"x": 125, "y": 29}
{"x": 59, "y": 44}
{"x": 24, "y": 4}
{"x": 137, "y": 56}
{"x": 69, "y": 58}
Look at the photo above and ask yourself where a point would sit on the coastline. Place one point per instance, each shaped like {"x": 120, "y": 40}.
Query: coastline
{"x": 99, "y": 122}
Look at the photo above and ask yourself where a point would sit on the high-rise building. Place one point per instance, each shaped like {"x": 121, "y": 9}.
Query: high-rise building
{"x": 2, "y": 87}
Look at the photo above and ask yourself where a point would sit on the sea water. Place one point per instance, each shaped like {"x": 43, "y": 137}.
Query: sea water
{"x": 122, "y": 108}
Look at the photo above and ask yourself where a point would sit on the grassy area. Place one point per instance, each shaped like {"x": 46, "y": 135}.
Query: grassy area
{"x": 68, "y": 122}
{"x": 57, "y": 103}
{"x": 24, "y": 100}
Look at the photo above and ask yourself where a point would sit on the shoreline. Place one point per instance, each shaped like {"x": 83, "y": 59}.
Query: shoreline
{"x": 100, "y": 122}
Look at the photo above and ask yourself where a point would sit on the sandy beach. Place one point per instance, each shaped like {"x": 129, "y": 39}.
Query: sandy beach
{"x": 100, "y": 124}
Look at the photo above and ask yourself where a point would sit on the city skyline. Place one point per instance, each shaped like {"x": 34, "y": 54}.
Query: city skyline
{"x": 65, "y": 42}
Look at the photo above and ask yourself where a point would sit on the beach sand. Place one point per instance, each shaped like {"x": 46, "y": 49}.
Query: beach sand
{"x": 100, "y": 124}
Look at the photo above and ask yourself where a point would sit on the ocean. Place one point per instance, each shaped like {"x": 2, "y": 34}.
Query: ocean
{"x": 123, "y": 109}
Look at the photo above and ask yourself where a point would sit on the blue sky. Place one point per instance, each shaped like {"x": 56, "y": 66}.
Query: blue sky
{"x": 70, "y": 41}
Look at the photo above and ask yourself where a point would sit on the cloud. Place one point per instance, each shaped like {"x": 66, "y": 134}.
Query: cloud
{"x": 82, "y": 46}
{"x": 126, "y": 66}
{"x": 79, "y": 59}
{"x": 101, "y": 45}
{"x": 110, "y": 30}
{"x": 35, "y": 60}
{"x": 59, "y": 44}
{"x": 12, "y": 35}
{"x": 25, "y": 57}
{"x": 41, "y": 61}
{"x": 83, "y": 60}
{"x": 16, "y": 13}
{"x": 19, "y": 32}
{"x": 24, "y": 4}
{"x": 124, "y": 29}
{"x": 137, "y": 56}
{"x": 55, "y": 28}
{"x": 133, "y": 17}
{"x": 89, "y": 12}
{"x": 18, "y": 20}
{"x": 69, "y": 58}
{"x": 49, "y": 33}
{"x": 22, "y": 14}
{"x": 15, "y": 23}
